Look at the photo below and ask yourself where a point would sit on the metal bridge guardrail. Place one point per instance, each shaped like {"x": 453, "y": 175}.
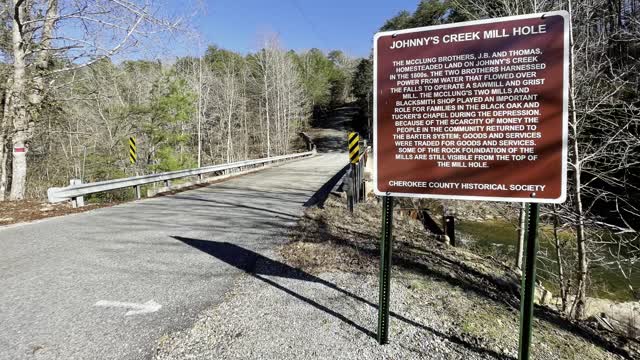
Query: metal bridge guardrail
{"x": 60, "y": 194}
{"x": 354, "y": 179}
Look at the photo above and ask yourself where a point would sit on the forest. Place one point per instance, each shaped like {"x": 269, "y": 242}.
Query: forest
{"x": 69, "y": 108}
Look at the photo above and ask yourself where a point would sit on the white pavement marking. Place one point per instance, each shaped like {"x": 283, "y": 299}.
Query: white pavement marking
{"x": 137, "y": 309}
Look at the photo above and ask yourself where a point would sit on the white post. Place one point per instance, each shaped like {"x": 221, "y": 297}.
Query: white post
{"x": 78, "y": 201}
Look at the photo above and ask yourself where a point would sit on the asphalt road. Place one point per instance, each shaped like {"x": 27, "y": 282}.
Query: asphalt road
{"x": 54, "y": 272}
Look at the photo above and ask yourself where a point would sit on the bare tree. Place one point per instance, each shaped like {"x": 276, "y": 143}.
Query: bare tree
{"x": 603, "y": 127}
{"x": 264, "y": 63}
{"x": 226, "y": 103}
{"x": 602, "y": 124}
{"x": 50, "y": 37}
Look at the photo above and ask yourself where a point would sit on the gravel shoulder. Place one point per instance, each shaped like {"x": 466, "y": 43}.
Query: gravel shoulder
{"x": 316, "y": 298}
{"x": 15, "y": 212}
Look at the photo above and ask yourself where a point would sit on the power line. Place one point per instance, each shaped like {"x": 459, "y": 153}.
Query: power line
{"x": 310, "y": 23}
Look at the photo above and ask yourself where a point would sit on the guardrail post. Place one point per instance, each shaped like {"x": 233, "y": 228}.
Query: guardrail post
{"x": 348, "y": 186}
{"x": 356, "y": 183}
{"x": 77, "y": 201}
{"x": 362, "y": 191}
{"x": 137, "y": 190}
{"x": 353, "y": 145}
{"x": 360, "y": 180}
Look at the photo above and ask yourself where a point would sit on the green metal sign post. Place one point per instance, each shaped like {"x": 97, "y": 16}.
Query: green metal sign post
{"x": 528, "y": 288}
{"x": 385, "y": 269}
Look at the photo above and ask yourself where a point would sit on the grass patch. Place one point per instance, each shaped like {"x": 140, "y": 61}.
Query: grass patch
{"x": 485, "y": 324}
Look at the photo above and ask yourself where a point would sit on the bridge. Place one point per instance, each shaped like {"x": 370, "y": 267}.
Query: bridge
{"x": 108, "y": 283}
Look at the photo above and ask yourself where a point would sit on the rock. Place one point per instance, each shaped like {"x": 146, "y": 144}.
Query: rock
{"x": 443, "y": 239}
{"x": 542, "y": 295}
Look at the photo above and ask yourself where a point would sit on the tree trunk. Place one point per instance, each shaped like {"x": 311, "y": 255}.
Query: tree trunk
{"x": 580, "y": 239}
{"x": 3, "y": 166}
{"x": 16, "y": 109}
{"x": 244, "y": 114}
{"x": 561, "y": 280}
{"x": 261, "y": 127}
{"x": 4, "y": 152}
{"x": 582, "y": 265}
{"x": 19, "y": 165}
{"x": 200, "y": 112}
{"x": 230, "y": 116}
{"x": 266, "y": 108}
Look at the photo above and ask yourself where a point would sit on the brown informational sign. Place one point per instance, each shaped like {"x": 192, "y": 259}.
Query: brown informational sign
{"x": 474, "y": 110}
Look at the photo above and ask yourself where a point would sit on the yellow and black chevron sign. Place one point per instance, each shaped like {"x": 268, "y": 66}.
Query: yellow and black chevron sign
{"x": 354, "y": 147}
{"x": 133, "y": 156}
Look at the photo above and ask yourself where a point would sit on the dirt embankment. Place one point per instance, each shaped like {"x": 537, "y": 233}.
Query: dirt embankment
{"x": 479, "y": 297}
{"x": 13, "y": 212}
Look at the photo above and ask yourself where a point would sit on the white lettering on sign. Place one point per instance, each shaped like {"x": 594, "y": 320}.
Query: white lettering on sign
{"x": 469, "y": 36}
{"x": 473, "y": 186}
{"x": 474, "y": 110}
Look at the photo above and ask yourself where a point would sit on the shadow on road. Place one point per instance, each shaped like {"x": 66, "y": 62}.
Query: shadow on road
{"x": 236, "y": 205}
{"x": 319, "y": 198}
{"x": 259, "y": 266}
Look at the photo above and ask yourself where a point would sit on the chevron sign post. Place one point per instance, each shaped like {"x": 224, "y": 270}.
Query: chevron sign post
{"x": 354, "y": 147}
{"x": 133, "y": 155}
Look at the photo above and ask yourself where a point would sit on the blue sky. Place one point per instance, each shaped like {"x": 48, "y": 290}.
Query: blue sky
{"x": 347, "y": 25}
